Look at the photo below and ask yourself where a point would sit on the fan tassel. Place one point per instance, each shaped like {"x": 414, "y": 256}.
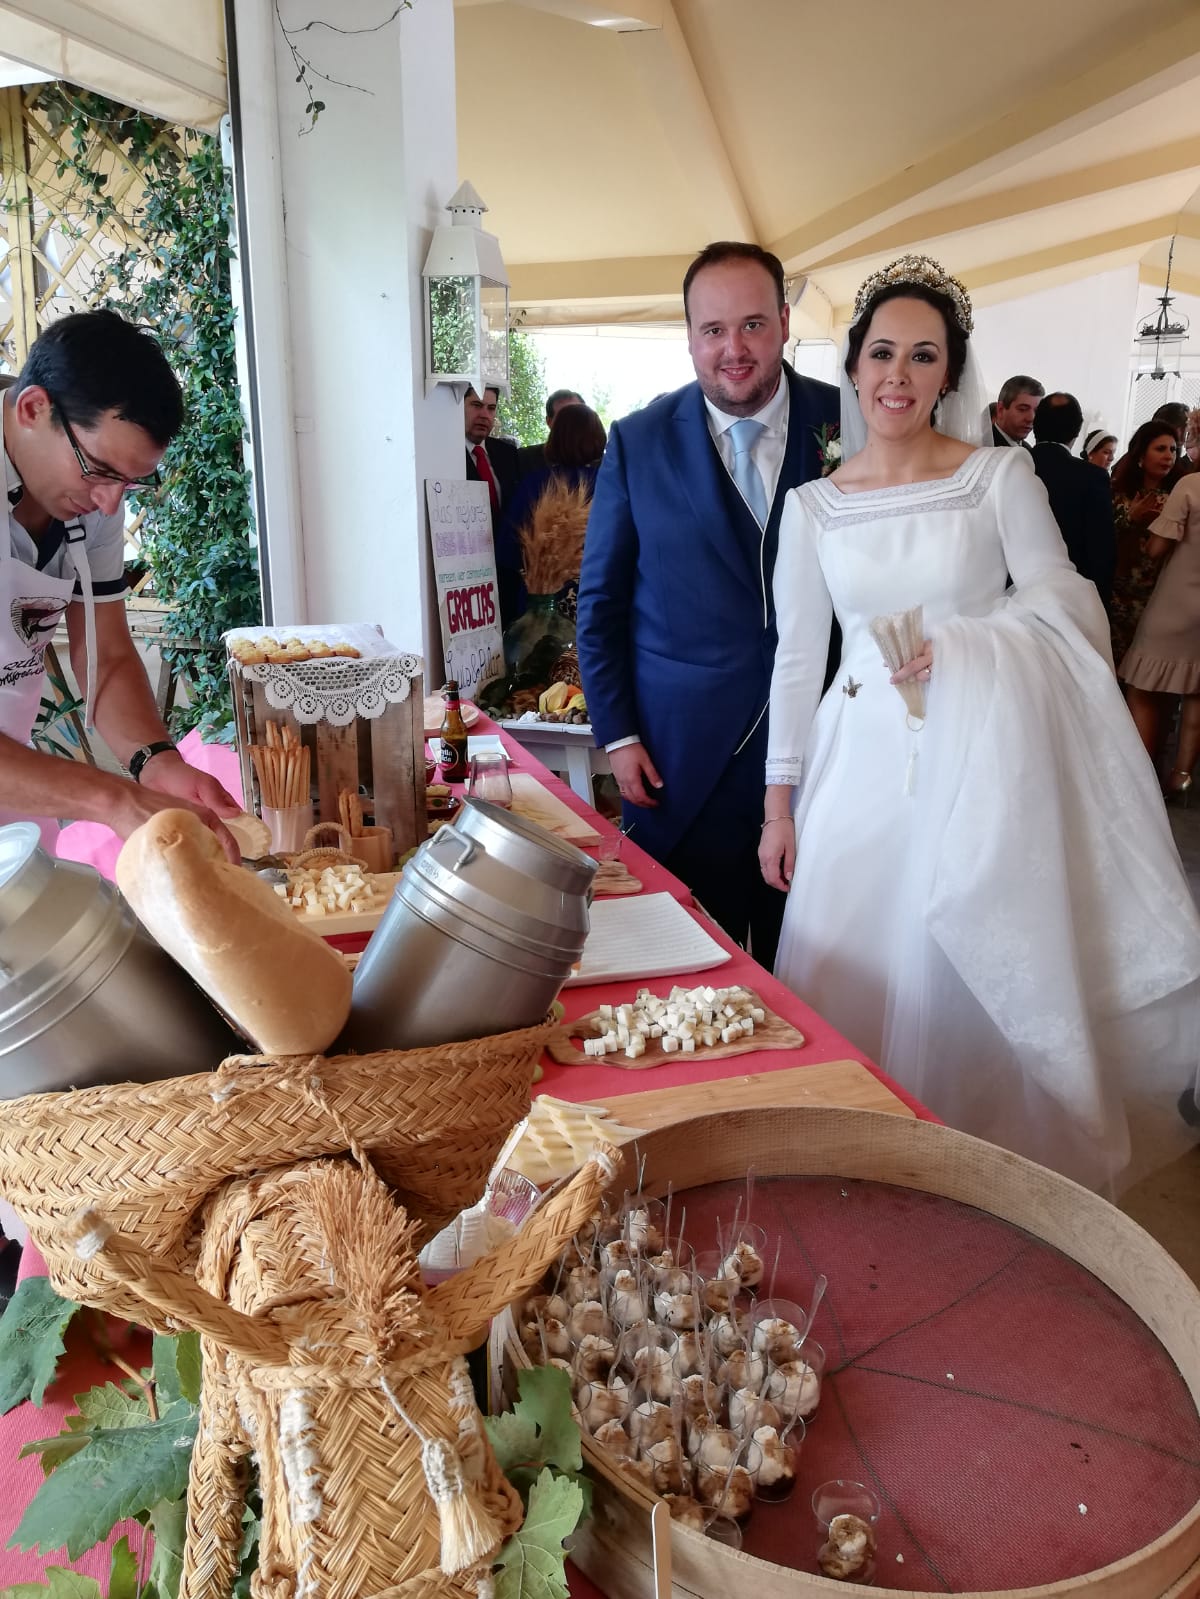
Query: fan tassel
{"x": 469, "y": 1531}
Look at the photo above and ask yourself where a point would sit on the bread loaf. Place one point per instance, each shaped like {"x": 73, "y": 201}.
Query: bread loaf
{"x": 279, "y": 982}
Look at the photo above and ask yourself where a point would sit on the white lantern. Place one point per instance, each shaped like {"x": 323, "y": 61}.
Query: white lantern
{"x": 466, "y": 302}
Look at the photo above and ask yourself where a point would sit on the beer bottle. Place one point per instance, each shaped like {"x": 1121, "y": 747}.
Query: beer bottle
{"x": 454, "y": 738}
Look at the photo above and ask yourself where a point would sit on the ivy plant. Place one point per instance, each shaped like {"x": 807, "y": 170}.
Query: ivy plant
{"x": 170, "y": 268}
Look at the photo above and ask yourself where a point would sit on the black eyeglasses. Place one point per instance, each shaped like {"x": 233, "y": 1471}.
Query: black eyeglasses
{"x": 101, "y": 474}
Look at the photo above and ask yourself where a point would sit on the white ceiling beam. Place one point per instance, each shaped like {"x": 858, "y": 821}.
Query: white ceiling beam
{"x": 1074, "y": 252}
{"x": 630, "y": 277}
{"x": 1144, "y": 67}
{"x": 622, "y": 16}
{"x": 674, "y": 92}
{"x": 1085, "y": 183}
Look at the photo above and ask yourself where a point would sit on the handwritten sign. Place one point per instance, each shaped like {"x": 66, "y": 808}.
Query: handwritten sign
{"x": 464, "y": 565}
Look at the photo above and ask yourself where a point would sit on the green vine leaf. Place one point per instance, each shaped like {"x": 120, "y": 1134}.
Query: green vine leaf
{"x": 531, "y": 1565}
{"x": 63, "y": 1584}
{"x": 31, "y": 1341}
{"x": 540, "y": 1429}
{"x": 123, "y": 1572}
{"x": 122, "y": 1472}
{"x": 176, "y": 1363}
{"x": 105, "y": 1408}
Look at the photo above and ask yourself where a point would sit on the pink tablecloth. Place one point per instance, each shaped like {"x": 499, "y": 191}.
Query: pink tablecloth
{"x": 98, "y": 846}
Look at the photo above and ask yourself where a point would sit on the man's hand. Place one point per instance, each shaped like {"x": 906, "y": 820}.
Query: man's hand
{"x": 170, "y": 775}
{"x": 633, "y": 769}
{"x": 777, "y": 852}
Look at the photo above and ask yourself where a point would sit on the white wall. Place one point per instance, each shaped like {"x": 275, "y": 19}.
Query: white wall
{"x": 1076, "y": 337}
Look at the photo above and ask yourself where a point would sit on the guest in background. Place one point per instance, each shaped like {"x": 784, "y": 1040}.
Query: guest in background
{"x": 532, "y": 457}
{"x": 1164, "y": 659}
{"x": 1079, "y": 492}
{"x": 1016, "y": 408}
{"x": 1099, "y": 448}
{"x": 573, "y": 452}
{"x": 1191, "y": 440}
{"x": 1175, "y": 414}
{"x": 1141, "y": 481}
{"x": 491, "y": 461}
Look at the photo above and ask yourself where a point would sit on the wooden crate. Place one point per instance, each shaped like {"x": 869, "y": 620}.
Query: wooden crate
{"x": 383, "y": 755}
{"x": 614, "y": 1546}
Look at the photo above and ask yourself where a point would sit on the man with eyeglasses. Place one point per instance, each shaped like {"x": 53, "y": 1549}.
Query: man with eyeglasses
{"x": 88, "y": 418}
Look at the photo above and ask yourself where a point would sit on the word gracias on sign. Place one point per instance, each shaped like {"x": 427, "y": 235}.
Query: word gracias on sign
{"x": 470, "y": 608}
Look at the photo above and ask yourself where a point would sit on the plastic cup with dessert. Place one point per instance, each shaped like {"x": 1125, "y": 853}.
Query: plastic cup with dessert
{"x": 777, "y": 1329}
{"x": 719, "y": 1288}
{"x": 643, "y": 1225}
{"x": 780, "y": 1469}
{"x": 794, "y": 1388}
{"x": 745, "y": 1256}
{"x": 842, "y": 1496}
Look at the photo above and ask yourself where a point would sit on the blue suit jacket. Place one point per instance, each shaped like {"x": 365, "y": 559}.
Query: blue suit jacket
{"x": 676, "y": 623}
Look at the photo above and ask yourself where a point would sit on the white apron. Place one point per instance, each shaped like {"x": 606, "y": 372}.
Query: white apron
{"x": 31, "y": 606}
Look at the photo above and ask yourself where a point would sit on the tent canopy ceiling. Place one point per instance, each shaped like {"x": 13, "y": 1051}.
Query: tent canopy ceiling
{"x": 167, "y": 59}
{"x": 611, "y": 141}
{"x": 609, "y": 154}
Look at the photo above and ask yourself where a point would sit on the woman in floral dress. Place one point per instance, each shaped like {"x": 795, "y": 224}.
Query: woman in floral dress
{"x": 1141, "y": 481}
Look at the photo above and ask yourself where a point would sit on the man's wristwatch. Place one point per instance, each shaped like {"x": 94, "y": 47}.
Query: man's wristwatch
{"x": 139, "y": 757}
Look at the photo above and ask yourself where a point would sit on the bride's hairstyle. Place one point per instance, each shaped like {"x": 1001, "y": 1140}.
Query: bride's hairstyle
{"x": 956, "y": 338}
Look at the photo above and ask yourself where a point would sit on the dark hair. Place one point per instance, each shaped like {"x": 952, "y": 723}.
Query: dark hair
{"x": 93, "y": 362}
{"x": 1174, "y": 413}
{"x": 577, "y": 437}
{"x": 553, "y": 399}
{"x": 1127, "y": 477}
{"x": 956, "y": 339}
{"x": 1058, "y": 419}
{"x": 1021, "y": 384}
{"x": 735, "y": 250}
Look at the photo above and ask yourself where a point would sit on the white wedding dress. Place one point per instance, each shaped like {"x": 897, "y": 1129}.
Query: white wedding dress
{"x": 990, "y": 905}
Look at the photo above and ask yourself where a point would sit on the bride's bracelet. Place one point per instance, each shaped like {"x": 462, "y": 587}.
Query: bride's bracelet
{"x": 772, "y": 819}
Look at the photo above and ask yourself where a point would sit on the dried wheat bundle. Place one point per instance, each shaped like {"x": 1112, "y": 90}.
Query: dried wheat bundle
{"x": 901, "y": 636}
{"x": 552, "y": 538}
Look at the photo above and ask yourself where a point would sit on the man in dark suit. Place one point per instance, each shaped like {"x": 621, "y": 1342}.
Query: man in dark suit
{"x": 676, "y": 627}
{"x": 532, "y": 457}
{"x": 1015, "y": 409}
{"x": 494, "y": 462}
{"x": 1080, "y": 493}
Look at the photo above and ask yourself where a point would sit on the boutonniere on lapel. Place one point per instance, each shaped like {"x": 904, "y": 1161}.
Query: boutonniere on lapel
{"x": 829, "y": 447}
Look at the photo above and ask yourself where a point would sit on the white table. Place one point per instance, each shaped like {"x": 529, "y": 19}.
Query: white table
{"x": 567, "y": 747}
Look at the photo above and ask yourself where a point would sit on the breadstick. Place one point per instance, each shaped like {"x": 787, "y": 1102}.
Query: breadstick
{"x": 344, "y": 808}
{"x": 356, "y": 816}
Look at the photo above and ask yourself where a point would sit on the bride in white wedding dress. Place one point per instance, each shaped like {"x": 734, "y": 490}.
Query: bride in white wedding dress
{"x": 988, "y": 903}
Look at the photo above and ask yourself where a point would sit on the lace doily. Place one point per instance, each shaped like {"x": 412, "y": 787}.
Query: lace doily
{"x": 337, "y": 689}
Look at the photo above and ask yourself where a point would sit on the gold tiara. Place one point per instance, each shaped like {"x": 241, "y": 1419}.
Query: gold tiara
{"x": 917, "y": 269}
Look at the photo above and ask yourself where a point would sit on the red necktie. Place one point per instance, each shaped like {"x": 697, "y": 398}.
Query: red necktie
{"x": 487, "y": 475}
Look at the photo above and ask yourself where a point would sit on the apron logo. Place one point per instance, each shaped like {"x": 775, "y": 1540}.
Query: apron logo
{"x": 35, "y": 619}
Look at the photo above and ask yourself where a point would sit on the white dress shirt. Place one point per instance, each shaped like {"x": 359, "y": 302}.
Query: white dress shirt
{"x": 768, "y": 449}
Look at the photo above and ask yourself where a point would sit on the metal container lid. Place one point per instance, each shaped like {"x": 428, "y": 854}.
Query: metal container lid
{"x": 476, "y": 933}
{"x": 507, "y": 901}
{"x": 492, "y": 923}
{"x": 62, "y": 930}
{"x": 526, "y": 847}
{"x": 25, "y": 869}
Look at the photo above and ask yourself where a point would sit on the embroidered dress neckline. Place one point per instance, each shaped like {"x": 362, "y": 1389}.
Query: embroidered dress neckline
{"x": 920, "y": 483}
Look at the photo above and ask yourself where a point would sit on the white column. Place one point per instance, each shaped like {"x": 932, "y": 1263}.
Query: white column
{"x": 339, "y": 347}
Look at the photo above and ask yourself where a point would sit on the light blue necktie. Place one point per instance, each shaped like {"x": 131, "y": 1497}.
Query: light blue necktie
{"x": 746, "y": 475}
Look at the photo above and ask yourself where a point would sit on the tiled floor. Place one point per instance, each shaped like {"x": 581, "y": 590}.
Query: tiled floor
{"x": 1163, "y": 1183}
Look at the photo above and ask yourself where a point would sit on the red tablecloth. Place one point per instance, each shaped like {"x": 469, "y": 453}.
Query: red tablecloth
{"x": 98, "y": 846}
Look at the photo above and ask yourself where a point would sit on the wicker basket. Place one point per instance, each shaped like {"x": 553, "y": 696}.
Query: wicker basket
{"x": 614, "y": 1547}
{"x": 148, "y": 1156}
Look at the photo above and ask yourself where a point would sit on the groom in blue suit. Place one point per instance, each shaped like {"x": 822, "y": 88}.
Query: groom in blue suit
{"x": 676, "y": 621}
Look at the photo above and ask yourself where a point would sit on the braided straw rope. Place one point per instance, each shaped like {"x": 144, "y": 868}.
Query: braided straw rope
{"x": 148, "y": 1156}
{"x": 323, "y": 1257}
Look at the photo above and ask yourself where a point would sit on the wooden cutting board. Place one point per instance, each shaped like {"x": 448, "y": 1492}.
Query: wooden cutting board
{"x": 771, "y": 1033}
{"x": 537, "y": 804}
{"x": 334, "y": 923}
{"x": 833, "y": 1082}
{"x": 614, "y": 877}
